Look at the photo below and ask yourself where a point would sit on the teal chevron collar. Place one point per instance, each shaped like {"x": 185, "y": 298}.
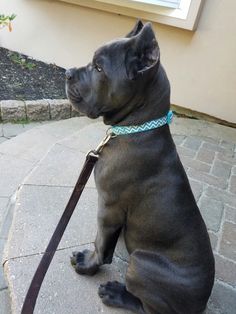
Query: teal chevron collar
{"x": 150, "y": 125}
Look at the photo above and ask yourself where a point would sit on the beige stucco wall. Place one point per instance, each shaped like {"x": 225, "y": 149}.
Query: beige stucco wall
{"x": 201, "y": 65}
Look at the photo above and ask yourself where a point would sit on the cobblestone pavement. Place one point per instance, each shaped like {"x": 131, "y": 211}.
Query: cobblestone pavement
{"x": 210, "y": 163}
{"x": 211, "y": 167}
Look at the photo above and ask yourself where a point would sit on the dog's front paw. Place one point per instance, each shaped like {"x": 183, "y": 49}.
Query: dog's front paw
{"x": 85, "y": 263}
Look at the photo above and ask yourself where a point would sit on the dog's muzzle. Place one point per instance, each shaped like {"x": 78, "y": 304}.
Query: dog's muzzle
{"x": 72, "y": 88}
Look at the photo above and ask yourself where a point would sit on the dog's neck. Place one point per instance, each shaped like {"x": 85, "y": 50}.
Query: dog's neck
{"x": 155, "y": 105}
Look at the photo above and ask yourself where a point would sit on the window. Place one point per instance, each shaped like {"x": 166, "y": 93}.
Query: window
{"x": 164, "y": 3}
{"x": 178, "y": 13}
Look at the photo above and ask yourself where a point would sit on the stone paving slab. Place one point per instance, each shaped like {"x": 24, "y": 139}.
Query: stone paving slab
{"x": 221, "y": 195}
{"x": 5, "y": 302}
{"x": 228, "y": 243}
{"x": 225, "y": 270}
{"x": 13, "y": 172}
{"x": 63, "y": 291}
{"x": 93, "y": 134}
{"x": 37, "y": 213}
{"x": 212, "y": 211}
{"x": 222, "y": 300}
{"x": 3, "y": 204}
{"x": 13, "y": 129}
{"x": 15, "y": 168}
{"x": 4, "y": 230}
{"x": 3, "y": 139}
{"x": 60, "y": 167}
{"x": 230, "y": 214}
{"x": 212, "y": 131}
{"x": 34, "y": 144}
{"x": 3, "y": 284}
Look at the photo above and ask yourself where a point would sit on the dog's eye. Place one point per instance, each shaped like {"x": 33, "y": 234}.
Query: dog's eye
{"x": 98, "y": 68}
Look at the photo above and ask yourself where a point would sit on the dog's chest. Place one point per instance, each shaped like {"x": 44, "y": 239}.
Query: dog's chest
{"x": 124, "y": 169}
{"x": 112, "y": 171}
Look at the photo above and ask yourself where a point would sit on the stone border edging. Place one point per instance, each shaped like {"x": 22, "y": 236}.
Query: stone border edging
{"x": 36, "y": 110}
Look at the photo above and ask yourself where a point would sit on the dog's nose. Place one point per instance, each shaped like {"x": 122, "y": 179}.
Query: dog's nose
{"x": 70, "y": 73}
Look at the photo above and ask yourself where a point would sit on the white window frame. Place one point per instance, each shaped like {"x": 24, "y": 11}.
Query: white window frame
{"x": 185, "y": 16}
{"x": 165, "y": 3}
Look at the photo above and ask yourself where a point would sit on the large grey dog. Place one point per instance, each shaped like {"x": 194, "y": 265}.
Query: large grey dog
{"x": 142, "y": 185}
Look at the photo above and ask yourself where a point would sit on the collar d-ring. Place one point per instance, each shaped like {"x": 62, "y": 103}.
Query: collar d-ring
{"x": 110, "y": 132}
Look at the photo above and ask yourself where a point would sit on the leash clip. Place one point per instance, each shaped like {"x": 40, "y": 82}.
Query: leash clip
{"x": 97, "y": 151}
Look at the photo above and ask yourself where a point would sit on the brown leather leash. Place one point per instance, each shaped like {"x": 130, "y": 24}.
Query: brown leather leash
{"x": 33, "y": 291}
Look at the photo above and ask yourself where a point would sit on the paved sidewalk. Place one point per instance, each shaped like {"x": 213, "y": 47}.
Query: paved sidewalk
{"x": 10, "y": 130}
{"x": 46, "y": 173}
{"x": 7, "y": 131}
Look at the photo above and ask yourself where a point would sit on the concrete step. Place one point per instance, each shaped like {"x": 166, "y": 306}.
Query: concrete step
{"x": 19, "y": 155}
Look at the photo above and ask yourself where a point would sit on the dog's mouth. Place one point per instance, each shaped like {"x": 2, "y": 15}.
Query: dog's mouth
{"x": 73, "y": 94}
{"x": 79, "y": 104}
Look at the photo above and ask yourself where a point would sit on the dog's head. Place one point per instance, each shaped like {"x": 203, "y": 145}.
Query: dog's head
{"x": 112, "y": 84}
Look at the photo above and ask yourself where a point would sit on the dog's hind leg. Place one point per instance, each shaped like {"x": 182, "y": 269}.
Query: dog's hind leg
{"x": 114, "y": 293}
{"x": 146, "y": 280}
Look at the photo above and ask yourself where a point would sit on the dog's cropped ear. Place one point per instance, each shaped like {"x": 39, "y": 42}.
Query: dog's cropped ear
{"x": 137, "y": 28}
{"x": 143, "y": 52}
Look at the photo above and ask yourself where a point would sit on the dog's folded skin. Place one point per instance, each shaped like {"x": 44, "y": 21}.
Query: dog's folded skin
{"x": 142, "y": 185}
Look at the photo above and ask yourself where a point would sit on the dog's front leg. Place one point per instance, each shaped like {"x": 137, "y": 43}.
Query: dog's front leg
{"x": 110, "y": 223}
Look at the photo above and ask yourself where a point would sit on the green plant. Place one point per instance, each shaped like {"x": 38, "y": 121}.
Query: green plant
{"x": 22, "y": 121}
{"x": 5, "y": 20}
{"x": 17, "y": 58}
